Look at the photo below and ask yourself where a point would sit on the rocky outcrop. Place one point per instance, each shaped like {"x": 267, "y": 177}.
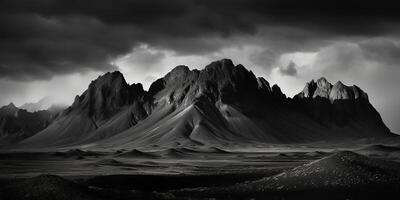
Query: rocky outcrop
{"x": 220, "y": 81}
{"x": 106, "y": 96}
{"x": 263, "y": 85}
{"x": 323, "y": 89}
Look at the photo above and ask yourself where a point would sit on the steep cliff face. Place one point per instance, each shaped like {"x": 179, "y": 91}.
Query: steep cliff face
{"x": 107, "y": 96}
{"x": 220, "y": 81}
{"x": 222, "y": 104}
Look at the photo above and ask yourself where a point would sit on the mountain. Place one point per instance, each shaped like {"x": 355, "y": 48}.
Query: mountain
{"x": 107, "y": 107}
{"x": 339, "y": 105}
{"x": 43, "y": 104}
{"x": 17, "y": 124}
{"x": 222, "y": 104}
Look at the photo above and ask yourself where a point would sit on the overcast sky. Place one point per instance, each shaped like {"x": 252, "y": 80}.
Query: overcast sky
{"x": 56, "y": 47}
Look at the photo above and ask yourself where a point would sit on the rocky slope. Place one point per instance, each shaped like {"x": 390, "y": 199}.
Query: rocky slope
{"x": 220, "y": 105}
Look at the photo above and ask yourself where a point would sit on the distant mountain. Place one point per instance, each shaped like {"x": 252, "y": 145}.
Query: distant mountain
{"x": 220, "y": 105}
{"x": 42, "y": 104}
{"x": 17, "y": 124}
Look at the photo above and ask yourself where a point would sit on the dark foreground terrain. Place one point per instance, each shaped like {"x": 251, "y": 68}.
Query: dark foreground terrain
{"x": 370, "y": 172}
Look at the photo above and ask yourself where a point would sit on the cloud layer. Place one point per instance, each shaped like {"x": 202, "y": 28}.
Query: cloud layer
{"x": 40, "y": 39}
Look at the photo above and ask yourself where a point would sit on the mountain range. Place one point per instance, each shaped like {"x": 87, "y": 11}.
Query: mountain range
{"x": 222, "y": 104}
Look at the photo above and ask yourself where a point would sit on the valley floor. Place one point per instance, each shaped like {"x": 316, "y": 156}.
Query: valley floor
{"x": 294, "y": 173}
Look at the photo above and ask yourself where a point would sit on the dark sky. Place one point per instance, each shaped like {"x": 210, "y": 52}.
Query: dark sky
{"x": 56, "y": 47}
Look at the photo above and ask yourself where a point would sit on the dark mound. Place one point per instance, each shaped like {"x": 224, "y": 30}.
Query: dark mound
{"x": 186, "y": 150}
{"x": 109, "y": 162}
{"x": 343, "y": 169}
{"x": 137, "y": 154}
{"x": 45, "y": 187}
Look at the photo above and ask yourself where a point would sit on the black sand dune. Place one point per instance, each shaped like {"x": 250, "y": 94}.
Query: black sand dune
{"x": 339, "y": 176}
{"x": 182, "y": 152}
{"x": 135, "y": 153}
{"x": 76, "y": 153}
{"x": 343, "y": 170}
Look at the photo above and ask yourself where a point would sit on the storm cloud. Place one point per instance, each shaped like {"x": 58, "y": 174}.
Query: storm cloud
{"x": 40, "y": 39}
{"x": 289, "y": 70}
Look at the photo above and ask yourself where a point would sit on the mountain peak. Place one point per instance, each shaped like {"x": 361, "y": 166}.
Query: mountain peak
{"x": 11, "y": 105}
{"x": 107, "y": 94}
{"x": 309, "y": 89}
{"x": 277, "y": 93}
{"x": 323, "y": 88}
{"x": 339, "y": 84}
{"x": 178, "y": 72}
{"x": 263, "y": 85}
{"x": 220, "y": 67}
{"x": 180, "y": 69}
{"x": 339, "y": 91}
{"x": 219, "y": 80}
{"x": 322, "y": 80}
{"x": 225, "y": 62}
{"x": 9, "y": 109}
{"x": 109, "y": 78}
